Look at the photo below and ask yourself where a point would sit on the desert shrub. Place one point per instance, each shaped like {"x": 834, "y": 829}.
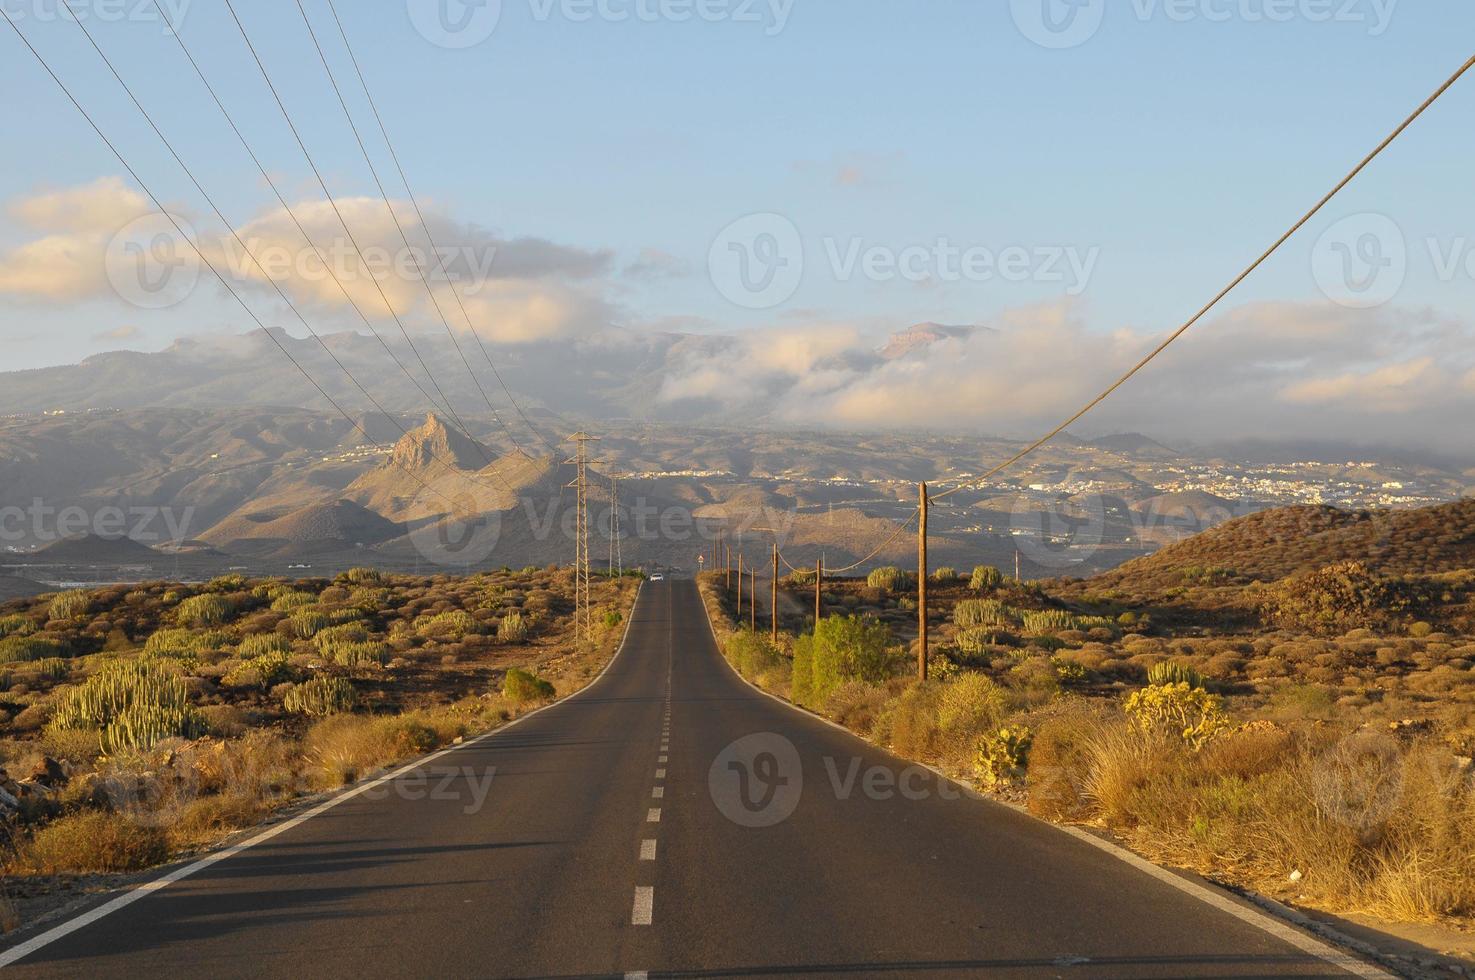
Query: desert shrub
{"x": 308, "y": 621}
{"x": 971, "y": 703}
{"x": 343, "y": 746}
{"x": 1048, "y": 621}
{"x": 751, "y": 653}
{"x": 206, "y": 610}
{"x": 909, "y": 723}
{"x": 945, "y": 574}
{"x": 801, "y": 687}
{"x": 841, "y": 649}
{"x": 363, "y": 576}
{"x": 985, "y": 578}
{"x": 321, "y": 696}
{"x": 232, "y": 582}
{"x": 135, "y": 703}
{"x": 1249, "y": 751}
{"x": 183, "y": 644}
{"x": 976, "y": 640}
{"x": 512, "y": 628}
{"x": 1059, "y": 761}
{"x": 260, "y": 644}
{"x": 856, "y": 705}
{"x": 19, "y": 649}
{"x": 94, "y": 842}
{"x": 1178, "y": 710}
{"x": 1333, "y": 600}
{"x": 522, "y": 687}
{"x": 352, "y": 653}
{"x": 16, "y": 625}
{"x": 983, "y": 612}
{"x": 68, "y": 605}
{"x": 265, "y": 671}
{"x": 141, "y": 726}
{"x": 342, "y": 633}
{"x": 888, "y": 578}
{"x": 289, "y": 602}
{"x": 1002, "y": 756}
{"x": 1420, "y": 630}
{"x": 453, "y": 623}
{"x": 1172, "y": 672}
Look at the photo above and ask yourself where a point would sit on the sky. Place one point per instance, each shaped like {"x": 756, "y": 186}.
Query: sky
{"x": 800, "y": 176}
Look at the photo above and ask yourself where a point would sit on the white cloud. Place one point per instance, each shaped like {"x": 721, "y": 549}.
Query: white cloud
{"x": 516, "y": 290}
{"x": 1268, "y": 371}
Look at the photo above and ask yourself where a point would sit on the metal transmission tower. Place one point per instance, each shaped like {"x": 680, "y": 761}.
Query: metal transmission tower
{"x": 583, "y": 613}
{"x": 616, "y": 546}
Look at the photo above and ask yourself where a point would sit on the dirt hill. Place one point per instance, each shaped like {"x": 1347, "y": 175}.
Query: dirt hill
{"x": 1275, "y": 543}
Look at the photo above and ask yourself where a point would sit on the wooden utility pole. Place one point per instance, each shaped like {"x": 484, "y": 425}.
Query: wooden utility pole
{"x": 773, "y": 596}
{"x": 740, "y": 586}
{"x": 819, "y": 576}
{"x": 726, "y": 564}
{"x": 753, "y": 599}
{"x": 922, "y": 586}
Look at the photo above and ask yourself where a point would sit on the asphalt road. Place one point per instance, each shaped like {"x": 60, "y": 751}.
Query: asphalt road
{"x": 594, "y": 851}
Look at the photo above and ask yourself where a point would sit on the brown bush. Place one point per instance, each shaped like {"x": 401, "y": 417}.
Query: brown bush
{"x": 94, "y": 842}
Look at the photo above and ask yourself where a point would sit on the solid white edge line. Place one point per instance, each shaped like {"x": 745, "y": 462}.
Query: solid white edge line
{"x": 1262, "y": 920}
{"x": 19, "y": 952}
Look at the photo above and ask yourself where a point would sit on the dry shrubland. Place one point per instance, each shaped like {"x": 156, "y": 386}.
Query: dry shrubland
{"x": 140, "y": 721}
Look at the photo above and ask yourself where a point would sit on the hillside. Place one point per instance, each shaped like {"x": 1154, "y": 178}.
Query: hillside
{"x": 1275, "y": 543}
{"x": 95, "y": 548}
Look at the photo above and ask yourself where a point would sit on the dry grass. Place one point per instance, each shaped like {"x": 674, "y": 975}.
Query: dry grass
{"x": 94, "y": 842}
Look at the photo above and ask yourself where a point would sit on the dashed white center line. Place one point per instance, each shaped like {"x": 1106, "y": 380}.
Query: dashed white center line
{"x": 653, "y": 815}
{"x": 645, "y": 902}
{"x": 658, "y": 792}
{"x": 647, "y": 850}
{"x": 638, "y": 975}
{"x": 660, "y": 774}
{"x": 663, "y": 758}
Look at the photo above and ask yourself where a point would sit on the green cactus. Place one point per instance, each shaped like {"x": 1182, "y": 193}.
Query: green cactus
{"x": 321, "y": 696}
{"x": 513, "y": 628}
{"x": 1163, "y": 674}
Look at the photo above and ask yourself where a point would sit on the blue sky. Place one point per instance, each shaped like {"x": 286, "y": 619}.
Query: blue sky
{"x": 1171, "y": 148}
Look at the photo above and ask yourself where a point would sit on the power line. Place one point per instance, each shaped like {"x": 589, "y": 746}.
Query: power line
{"x": 409, "y": 249}
{"x": 197, "y": 250}
{"x": 236, "y": 235}
{"x": 414, "y": 202}
{"x": 332, "y": 201}
{"x": 291, "y": 213}
{"x": 1234, "y": 284}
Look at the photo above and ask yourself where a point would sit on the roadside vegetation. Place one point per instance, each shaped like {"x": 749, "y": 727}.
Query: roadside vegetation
{"x": 139, "y": 722}
{"x": 1309, "y": 736}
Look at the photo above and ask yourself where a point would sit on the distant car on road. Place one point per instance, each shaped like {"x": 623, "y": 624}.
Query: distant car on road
{"x": 658, "y": 577}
